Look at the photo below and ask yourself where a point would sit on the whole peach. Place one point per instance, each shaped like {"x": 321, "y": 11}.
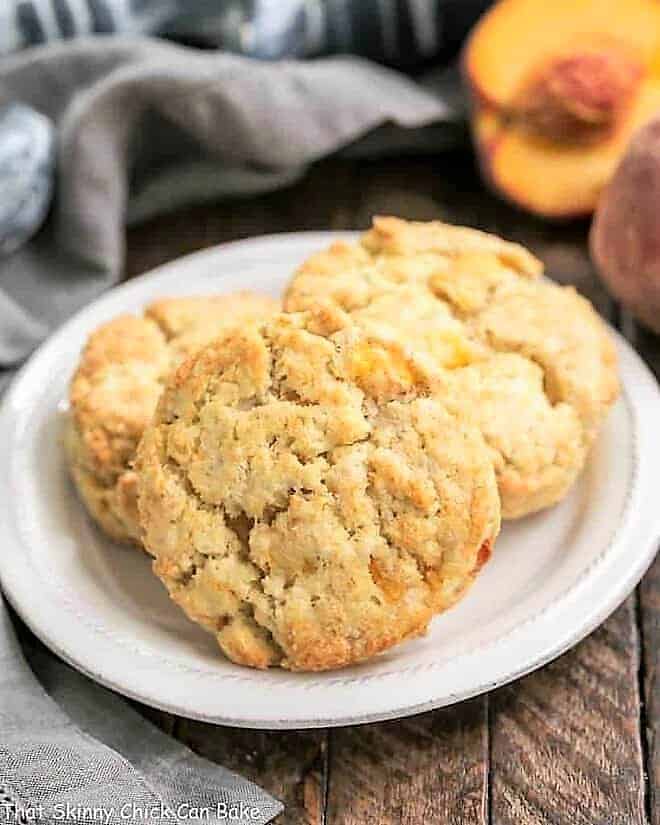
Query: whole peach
{"x": 625, "y": 234}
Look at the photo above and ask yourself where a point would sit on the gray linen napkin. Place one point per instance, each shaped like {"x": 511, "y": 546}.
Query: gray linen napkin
{"x": 84, "y": 755}
{"x": 144, "y": 126}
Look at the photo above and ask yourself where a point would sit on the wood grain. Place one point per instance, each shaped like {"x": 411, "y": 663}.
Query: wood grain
{"x": 648, "y": 345}
{"x": 566, "y": 742}
{"x": 649, "y": 603}
{"x": 292, "y": 765}
{"x": 427, "y": 769}
{"x": 326, "y": 198}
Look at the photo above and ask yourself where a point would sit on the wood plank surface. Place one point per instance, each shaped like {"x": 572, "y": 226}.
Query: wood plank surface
{"x": 648, "y": 345}
{"x": 565, "y": 741}
{"x": 326, "y": 198}
{"x": 292, "y": 765}
{"x": 428, "y": 769}
{"x": 649, "y": 603}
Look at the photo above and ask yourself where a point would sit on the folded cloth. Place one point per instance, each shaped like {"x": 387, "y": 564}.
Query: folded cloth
{"x": 81, "y": 754}
{"x": 144, "y": 126}
{"x": 401, "y": 32}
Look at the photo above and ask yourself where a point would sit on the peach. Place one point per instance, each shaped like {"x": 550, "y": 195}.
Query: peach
{"x": 625, "y": 234}
{"x": 578, "y": 95}
{"x": 558, "y": 88}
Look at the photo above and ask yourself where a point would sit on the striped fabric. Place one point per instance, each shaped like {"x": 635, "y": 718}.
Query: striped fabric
{"x": 399, "y": 32}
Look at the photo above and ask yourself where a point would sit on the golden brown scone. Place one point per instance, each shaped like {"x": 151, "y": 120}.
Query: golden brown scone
{"x": 305, "y": 498}
{"x": 115, "y": 389}
{"x": 537, "y": 447}
{"x": 465, "y": 298}
{"x": 559, "y": 330}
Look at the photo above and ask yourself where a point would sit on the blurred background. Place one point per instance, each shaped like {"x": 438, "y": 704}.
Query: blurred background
{"x": 397, "y": 32}
{"x": 200, "y": 121}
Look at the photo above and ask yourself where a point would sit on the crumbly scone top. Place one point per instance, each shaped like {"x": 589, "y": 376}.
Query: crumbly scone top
{"x": 117, "y": 384}
{"x": 464, "y": 297}
{"x": 306, "y": 499}
{"x": 114, "y": 392}
{"x": 480, "y": 284}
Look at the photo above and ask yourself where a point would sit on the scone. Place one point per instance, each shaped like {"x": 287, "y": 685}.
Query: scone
{"x": 114, "y": 392}
{"x": 306, "y": 499}
{"x": 527, "y": 361}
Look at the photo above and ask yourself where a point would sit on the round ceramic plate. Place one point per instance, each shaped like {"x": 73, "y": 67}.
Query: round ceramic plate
{"x": 552, "y": 578}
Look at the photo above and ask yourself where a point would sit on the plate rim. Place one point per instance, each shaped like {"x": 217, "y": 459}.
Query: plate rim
{"x": 645, "y": 385}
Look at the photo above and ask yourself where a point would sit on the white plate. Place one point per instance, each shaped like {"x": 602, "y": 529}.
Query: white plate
{"x": 552, "y": 579}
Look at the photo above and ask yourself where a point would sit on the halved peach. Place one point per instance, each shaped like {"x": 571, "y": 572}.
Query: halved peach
{"x": 551, "y": 178}
{"x": 516, "y": 36}
{"x": 558, "y": 88}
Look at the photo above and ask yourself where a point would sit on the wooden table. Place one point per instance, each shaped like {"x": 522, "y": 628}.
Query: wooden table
{"x": 575, "y": 742}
